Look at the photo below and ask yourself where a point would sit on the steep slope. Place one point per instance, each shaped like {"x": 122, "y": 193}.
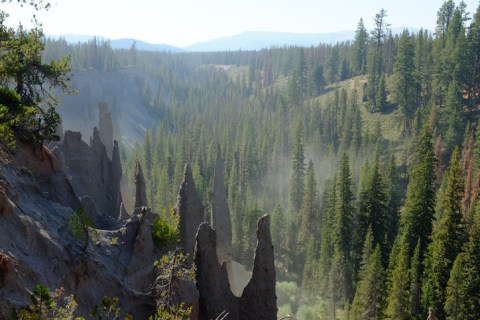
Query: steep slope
{"x": 37, "y": 245}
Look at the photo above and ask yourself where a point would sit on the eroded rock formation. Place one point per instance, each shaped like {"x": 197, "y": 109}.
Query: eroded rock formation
{"x": 140, "y": 190}
{"x": 105, "y": 127}
{"x": 37, "y": 246}
{"x": 258, "y": 300}
{"x": 140, "y": 272}
{"x": 191, "y": 211}
{"x": 92, "y": 174}
{"x": 221, "y": 214}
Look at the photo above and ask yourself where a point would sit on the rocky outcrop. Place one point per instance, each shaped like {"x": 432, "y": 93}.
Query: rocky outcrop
{"x": 191, "y": 212}
{"x": 140, "y": 271}
{"x": 140, "y": 190}
{"x": 116, "y": 173}
{"x": 92, "y": 174}
{"x": 37, "y": 246}
{"x": 258, "y": 300}
{"x": 211, "y": 277}
{"x": 220, "y": 213}
{"x": 105, "y": 127}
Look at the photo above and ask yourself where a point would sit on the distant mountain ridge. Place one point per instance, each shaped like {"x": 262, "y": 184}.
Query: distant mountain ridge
{"x": 251, "y": 40}
{"x": 124, "y": 43}
{"x": 254, "y": 40}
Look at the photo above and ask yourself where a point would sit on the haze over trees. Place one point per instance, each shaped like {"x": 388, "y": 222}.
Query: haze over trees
{"x": 365, "y": 153}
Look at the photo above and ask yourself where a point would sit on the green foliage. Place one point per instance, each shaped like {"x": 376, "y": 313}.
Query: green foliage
{"x": 373, "y": 210}
{"x": 54, "y": 306}
{"x": 448, "y": 238}
{"x": 108, "y": 310}
{"x": 288, "y": 294}
{"x": 368, "y": 302}
{"x": 165, "y": 228}
{"x": 30, "y": 114}
{"x": 359, "y": 49}
{"x": 463, "y": 289}
{"x": 309, "y": 211}
{"x": 418, "y": 211}
{"x": 375, "y": 65}
{"x": 42, "y": 304}
{"x": 404, "y": 84}
{"x": 79, "y": 224}
{"x": 171, "y": 269}
{"x": 398, "y": 299}
{"x": 259, "y": 107}
{"x": 46, "y": 305}
{"x": 342, "y": 263}
{"x": 10, "y": 109}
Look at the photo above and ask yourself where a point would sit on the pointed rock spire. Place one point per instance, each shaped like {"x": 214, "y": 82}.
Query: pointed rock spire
{"x": 211, "y": 278}
{"x": 117, "y": 175}
{"x": 140, "y": 191}
{"x": 258, "y": 299}
{"x": 191, "y": 211}
{"x": 105, "y": 127}
{"x": 220, "y": 213}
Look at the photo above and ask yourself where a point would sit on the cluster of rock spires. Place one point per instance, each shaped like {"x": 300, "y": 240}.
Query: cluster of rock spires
{"x": 39, "y": 193}
{"x": 215, "y": 277}
{"x": 37, "y": 246}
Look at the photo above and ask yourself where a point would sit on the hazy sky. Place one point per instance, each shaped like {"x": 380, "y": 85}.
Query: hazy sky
{"x": 185, "y": 22}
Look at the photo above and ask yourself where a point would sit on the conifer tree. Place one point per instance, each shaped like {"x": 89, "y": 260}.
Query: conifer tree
{"x": 309, "y": 212}
{"x": 448, "y": 237}
{"x": 454, "y": 133}
{"x": 416, "y": 284}
{"x": 375, "y": 55}
{"x": 398, "y": 297}
{"x": 327, "y": 210}
{"x": 297, "y": 185}
{"x": 299, "y": 80}
{"x": 359, "y": 49}
{"x": 368, "y": 302}
{"x": 342, "y": 273}
{"x": 473, "y": 40}
{"x": 463, "y": 291}
{"x": 373, "y": 209}
{"x": 309, "y": 265}
{"x": 278, "y": 227}
{"x": 404, "y": 83}
{"x": 419, "y": 205}
{"x": 393, "y": 195}
{"x": 297, "y": 175}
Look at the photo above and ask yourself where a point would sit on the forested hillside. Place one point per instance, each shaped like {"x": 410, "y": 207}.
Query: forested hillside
{"x": 365, "y": 153}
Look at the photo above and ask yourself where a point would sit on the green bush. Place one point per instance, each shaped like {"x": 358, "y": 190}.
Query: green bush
{"x": 165, "y": 228}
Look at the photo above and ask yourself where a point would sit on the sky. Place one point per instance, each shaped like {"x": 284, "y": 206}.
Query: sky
{"x": 186, "y": 22}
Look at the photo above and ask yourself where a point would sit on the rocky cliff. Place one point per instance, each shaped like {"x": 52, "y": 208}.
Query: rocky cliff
{"x": 94, "y": 177}
{"x": 37, "y": 246}
{"x": 258, "y": 300}
{"x": 191, "y": 212}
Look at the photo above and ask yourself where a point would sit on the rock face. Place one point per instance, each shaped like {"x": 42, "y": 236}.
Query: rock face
{"x": 105, "y": 127}
{"x": 140, "y": 271}
{"x": 221, "y": 214}
{"x": 37, "y": 247}
{"x": 212, "y": 279}
{"x": 91, "y": 172}
{"x": 191, "y": 212}
{"x": 140, "y": 190}
{"x": 258, "y": 300}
